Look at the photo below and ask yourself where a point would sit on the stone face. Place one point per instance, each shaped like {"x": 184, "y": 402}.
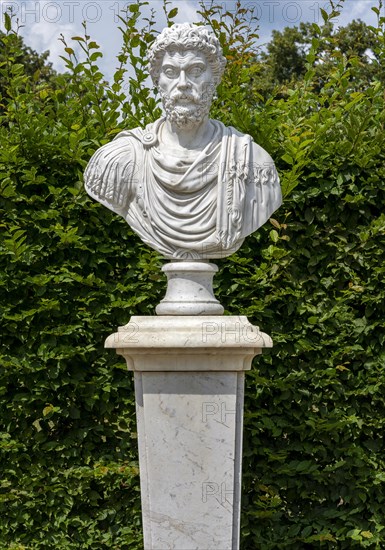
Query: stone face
{"x": 190, "y": 187}
{"x": 189, "y": 387}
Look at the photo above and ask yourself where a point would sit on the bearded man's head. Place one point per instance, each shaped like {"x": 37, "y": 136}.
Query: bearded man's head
{"x": 186, "y": 64}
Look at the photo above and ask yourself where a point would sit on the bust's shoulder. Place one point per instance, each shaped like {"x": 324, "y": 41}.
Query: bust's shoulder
{"x": 260, "y": 156}
{"x": 120, "y": 145}
{"x": 108, "y": 160}
{"x": 139, "y": 137}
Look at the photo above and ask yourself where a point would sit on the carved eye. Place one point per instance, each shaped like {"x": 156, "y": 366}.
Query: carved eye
{"x": 170, "y": 72}
{"x": 196, "y": 70}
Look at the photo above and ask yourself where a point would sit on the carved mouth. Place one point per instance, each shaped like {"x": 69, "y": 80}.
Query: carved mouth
{"x": 184, "y": 99}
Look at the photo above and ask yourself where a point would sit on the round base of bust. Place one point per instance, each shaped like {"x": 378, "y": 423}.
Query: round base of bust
{"x": 189, "y": 289}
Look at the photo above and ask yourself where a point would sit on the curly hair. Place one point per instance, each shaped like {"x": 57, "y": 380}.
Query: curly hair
{"x": 186, "y": 36}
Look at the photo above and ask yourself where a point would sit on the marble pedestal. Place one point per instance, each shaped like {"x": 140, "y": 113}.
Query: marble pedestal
{"x": 189, "y": 384}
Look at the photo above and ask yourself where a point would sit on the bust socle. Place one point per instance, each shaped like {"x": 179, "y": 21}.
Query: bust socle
{"x": 190, "y": 187}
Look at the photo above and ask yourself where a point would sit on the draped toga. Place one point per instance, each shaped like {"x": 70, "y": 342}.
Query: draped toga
{"x": 186, "y": 209}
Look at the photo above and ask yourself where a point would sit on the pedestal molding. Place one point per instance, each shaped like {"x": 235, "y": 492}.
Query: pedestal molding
{"x": 182, "y": 332}
{"x": 189, "y": 391}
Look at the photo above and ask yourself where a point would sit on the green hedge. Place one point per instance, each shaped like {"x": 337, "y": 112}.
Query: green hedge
{"x": 313, "y": 278}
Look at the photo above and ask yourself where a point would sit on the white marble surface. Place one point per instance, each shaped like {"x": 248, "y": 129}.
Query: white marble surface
{"x": 190, "y": 187}
{"x": 189, "y": 384}
{"x": 189, "y": 290}
{"x": 189, "y": 429}
{"x": 189, "y": 343}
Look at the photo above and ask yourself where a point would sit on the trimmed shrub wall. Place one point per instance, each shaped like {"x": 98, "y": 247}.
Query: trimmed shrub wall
{"x": 313, "y": 278}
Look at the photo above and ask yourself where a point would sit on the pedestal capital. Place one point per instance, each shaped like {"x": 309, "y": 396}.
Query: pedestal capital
{"x": 188, "y": 343}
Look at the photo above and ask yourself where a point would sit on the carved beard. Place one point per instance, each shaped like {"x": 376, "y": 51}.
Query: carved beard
{"x": 185, "y": 116}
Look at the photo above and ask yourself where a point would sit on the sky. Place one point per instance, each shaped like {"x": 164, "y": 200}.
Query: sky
{"x": 43, "y": 21}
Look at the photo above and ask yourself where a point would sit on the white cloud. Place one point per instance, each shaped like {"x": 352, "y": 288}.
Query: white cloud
{"x": 187, "y": 11}
{"x": 45, "y": 20}
{"x": 357, "y": 9}
{"x": 43, "y": 36}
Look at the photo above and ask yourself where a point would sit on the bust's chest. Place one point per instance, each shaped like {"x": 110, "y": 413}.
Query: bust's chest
{"x": 178, "y": 156}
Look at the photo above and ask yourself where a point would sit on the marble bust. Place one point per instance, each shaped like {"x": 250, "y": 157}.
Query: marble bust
{"x": 190, "y": 187}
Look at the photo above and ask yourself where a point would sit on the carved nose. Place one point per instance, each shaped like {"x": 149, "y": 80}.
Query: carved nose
{"x": 183, "y": 83}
